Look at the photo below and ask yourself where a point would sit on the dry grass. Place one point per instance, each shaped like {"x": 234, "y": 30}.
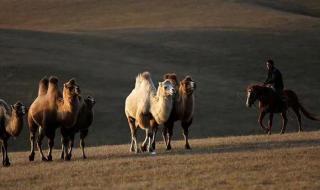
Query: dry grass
{"x": 251, "y": 162}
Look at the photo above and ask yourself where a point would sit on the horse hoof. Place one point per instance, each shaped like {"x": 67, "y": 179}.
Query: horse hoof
{"x": 31, "y": 157}
{"x": 49, "y": 158}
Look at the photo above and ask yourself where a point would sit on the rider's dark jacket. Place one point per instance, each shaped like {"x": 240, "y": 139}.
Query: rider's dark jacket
{"x": 274, "y": 78}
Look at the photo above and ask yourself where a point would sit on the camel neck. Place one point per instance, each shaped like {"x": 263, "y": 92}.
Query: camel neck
{"x": 161, "y": 108}
{"x": 185, "y": 104}
{"x": 14, "y": 125}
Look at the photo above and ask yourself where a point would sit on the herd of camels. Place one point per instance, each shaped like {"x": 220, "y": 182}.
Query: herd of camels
{"x": 146, "y": 107}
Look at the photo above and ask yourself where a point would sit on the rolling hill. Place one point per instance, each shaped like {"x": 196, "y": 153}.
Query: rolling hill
{"x": 105, "y": 44}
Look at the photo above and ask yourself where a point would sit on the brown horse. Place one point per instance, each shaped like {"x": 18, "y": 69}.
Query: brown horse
{"x": 270, "y": 103}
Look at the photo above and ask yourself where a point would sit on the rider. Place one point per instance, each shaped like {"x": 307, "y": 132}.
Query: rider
{"x": 274, "y": 79}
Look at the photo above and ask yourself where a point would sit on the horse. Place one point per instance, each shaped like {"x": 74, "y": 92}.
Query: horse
{"x": 269, "y": 102}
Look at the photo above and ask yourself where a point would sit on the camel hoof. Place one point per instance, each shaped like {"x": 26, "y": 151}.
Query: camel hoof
{"x": 143, "y": 148}
{"x": 168, "y": 147}
{"x": 44, "y": 159}
{"x": 49, "y": 158}
{"x": 67, "y": 158}
{"x": 84, "y": 157}
{"x": 6, "y": 163}
{"x": 269, "y": 133}
{"x": 187, "y": 146}
{"x": 31, "y": 157}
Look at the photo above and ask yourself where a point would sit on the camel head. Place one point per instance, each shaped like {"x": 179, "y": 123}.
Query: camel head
{"x": 173, "y": 79}
{"x": 18, "y": 109}
{"x": 71, "y": 89}
{"x": 187, "y": 85}
{"x": 166, "y": 88}
{"x": 90, "y": 101}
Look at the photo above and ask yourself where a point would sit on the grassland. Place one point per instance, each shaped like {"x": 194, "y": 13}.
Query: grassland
{"x": 104, "y": 44}
{"x": 288, "y": 161}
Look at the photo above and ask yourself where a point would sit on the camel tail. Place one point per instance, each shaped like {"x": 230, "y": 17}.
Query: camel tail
{"x": 43, "y": 86}
{"x": 308, "y": 114}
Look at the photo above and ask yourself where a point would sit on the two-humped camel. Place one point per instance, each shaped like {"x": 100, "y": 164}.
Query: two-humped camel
{"x": 147, "y": 107}
{"x": 11, "y": 124}
{"x": 50, "y": 110}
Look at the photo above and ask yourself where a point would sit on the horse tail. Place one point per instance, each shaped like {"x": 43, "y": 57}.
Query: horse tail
{"x": 308, "y": 114}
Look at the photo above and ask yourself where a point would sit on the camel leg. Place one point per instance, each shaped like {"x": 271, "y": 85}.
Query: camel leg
{"x": 170, "y": 133}
{"x": 260, "y": 120}
{"x": 185, "y": 126}
{"x": 71, "y": 143}
{"x": 284, "y": 122}
{"x": 165, "y": 134}
{"x": 297, "y": 112}
{"x": 145, "y": 142}
{"x": 153, "y": 141}
{"x": 83, "y": 135}
{"x": 270, "y": 123}
{"x": 32, "y": 141}
{"x": 5, "y": 161}
{"x": 39, "y": 143}
{"x": 150, "y": 137}
{"x": 32, "y": 132}
{"x": 62, "y": 149}
{"x": 134, "y": 145}
{"x": 51, "y": 144}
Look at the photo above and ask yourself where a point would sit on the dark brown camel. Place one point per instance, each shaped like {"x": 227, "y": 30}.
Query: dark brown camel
{"x": 85, "y": 119}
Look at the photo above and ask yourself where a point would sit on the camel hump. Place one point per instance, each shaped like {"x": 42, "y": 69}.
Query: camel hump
{"x": 145, "y": 76}
{"x": 53, "y": 80}
{"x": 5, "y": 105}
{"x": 43, "y": 86}
{"x": 171, "y": 76}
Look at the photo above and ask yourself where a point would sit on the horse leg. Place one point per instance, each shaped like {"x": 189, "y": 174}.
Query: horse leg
{"x": 185, "y": 125}
{"x": 83, "y": 135}
{"x": 284, "y": 122}
{"x": 260, "y": 120}
{"x": 270, "y": 123}
{"x": 5, "y": 161}
{"x": 297, "y": 112}
{"x": 133, "y": 129}
{"x": 39, "y": 143}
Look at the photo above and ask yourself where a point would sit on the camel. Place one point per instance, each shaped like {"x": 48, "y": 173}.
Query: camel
{"x": 146, "y": 107}
{"x": 11, "y": 124}
{"x": 183, "y": 109}
{"x": 85, "y": 119}
{"x": 51, "y": 110}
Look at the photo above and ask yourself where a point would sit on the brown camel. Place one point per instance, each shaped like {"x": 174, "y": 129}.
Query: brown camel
{"x": 85, "y": 119}
{"x": 183, "y": 109}
{"x": 147, "y": 105}
{"x": 51, "y": 110}
{"x": 11, "y": 124}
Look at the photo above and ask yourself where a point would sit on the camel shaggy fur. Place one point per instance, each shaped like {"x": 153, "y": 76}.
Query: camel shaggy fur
{"x": 146, "y": 107}
{"x": 11, "y": 124}
{"x": 85, "y": 119}
{"x": 51, "y": 110}
{"x": 183, "y": 109}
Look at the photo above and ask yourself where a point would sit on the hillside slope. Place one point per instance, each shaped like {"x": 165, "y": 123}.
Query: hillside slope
{"x": 82, "y": 15}
{"x": 250, "y": 162}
